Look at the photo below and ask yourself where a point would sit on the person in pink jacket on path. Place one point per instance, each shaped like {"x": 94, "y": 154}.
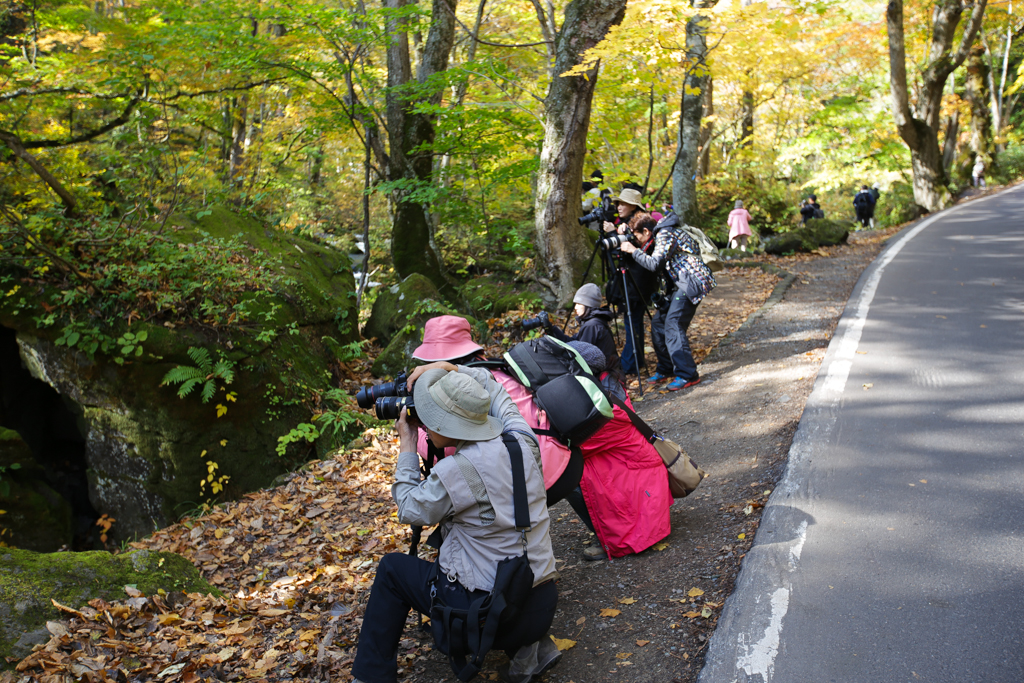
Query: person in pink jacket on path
{"x": 739, "y": 226}
{"x": 615, "y": 481}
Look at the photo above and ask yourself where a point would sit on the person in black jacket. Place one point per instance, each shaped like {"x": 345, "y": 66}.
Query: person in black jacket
{"x": 594, "y": 327}
{"x": 864, "y": 205}
{"x": 640, "y": 284}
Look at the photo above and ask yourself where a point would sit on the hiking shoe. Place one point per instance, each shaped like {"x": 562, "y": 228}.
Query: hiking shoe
{"x": 594, "y": 551}
{"x": 531, "y": 660}
{"x": 656, "y": 377}
{"x": 680, "y": 383}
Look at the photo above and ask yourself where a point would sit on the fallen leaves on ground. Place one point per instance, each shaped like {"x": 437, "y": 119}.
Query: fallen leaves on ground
{"x": 296, "y": 584}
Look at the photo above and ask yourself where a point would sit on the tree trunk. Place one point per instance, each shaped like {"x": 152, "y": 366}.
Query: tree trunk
{"x": 239, "y": 117}
{"x": 706, "y": 131}
{"x": 950, "y": 140}
{"x": 561, "y": 241}
{"x": 920, "y": 131}
{"x": 684, "y": 177}
{"x": 978, "y": 97}
{"x": 411, "y": 137}
{"x": 747, "y": 119}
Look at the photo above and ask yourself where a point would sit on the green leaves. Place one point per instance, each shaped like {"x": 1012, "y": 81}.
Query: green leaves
{"x": 205, "y": 373}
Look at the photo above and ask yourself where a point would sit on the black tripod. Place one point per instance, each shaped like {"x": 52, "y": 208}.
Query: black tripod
{"x": 611, "y": 262}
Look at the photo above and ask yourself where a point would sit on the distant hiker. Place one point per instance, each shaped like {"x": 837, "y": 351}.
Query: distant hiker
{"x": 739, "y": 226}
{"x": 979, "y": 172}
{"x": 806, "y": 210}
{"x": 864, "y": 205}
{"x": 818, "y": 213}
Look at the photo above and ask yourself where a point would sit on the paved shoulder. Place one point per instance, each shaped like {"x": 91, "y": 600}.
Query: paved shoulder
{"x": 891, "y": 550}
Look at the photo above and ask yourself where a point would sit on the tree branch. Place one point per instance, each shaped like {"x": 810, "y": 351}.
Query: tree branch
{"x": 18, "y": 149}
{"x": 89, "y": 135}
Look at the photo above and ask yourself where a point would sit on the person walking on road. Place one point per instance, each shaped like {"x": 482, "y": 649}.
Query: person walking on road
{"x": 864, "y": 205}
{"x": 979, "y": 172}
{"x": 739, "y": 226}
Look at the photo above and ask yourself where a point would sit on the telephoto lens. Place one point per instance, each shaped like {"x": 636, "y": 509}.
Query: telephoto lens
{"x": 390, "y": 407}
{"x": 614, "y": 241}
{"x": 542, "y": 320}
{"x": 366, "y": 396}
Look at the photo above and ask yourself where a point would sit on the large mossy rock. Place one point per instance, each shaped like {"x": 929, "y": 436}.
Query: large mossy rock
{"x": 29, "y": 582}
{"x": 494, "y": 294}
{"x": 817, "y": 232}
{"x": 397, "y": 319}
{"x": 413, "y": 301}
{"x": 145, "y": 450}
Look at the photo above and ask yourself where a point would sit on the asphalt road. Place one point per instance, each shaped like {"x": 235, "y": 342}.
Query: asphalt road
{"x": 893, "y": 549}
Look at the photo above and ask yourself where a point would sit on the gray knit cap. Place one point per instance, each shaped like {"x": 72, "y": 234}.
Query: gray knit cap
{"x": 593, "y": 355}
{"x": 589, "y": 295}
{"x": 738, "y": 204}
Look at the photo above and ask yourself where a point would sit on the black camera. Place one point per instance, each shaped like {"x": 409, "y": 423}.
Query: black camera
{"x": 613, "y": 242}
{"x": 368, "y": 396}
{"x": 605, "y": 212}
{"x": 390, "y": 407}
{"x": 542, "y": 320}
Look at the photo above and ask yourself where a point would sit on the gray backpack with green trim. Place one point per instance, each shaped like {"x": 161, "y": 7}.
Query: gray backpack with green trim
{"x": 563, "y": 386}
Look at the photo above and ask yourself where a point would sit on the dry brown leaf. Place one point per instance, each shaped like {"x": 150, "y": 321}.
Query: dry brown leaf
{"x": 627, "y": 601}
{"x": 608, "y": 612}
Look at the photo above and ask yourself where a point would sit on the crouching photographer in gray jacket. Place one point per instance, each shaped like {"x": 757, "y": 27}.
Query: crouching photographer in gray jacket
{"x": 470, "y": 494}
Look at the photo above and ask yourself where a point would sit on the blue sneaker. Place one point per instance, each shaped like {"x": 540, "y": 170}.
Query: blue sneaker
{"x": 656, "y": 377}
{"x": 680, "y": 383}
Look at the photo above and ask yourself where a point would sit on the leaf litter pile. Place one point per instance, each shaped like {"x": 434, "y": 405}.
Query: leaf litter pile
{"x": 295, "y": 564}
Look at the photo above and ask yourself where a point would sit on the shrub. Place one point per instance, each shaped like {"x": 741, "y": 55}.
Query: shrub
{"x": 897, "y": 206}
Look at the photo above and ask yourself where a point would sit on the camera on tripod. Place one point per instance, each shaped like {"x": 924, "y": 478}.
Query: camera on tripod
{"x": 613, "y": 242}
{"x": 541, "y": 320}
{"x": 603, "y": 213}
{"x": 388, "y": 398}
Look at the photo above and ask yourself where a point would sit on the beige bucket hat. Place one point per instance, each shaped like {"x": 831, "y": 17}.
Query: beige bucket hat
{"x": 631, "y": 196}
{"x": 454, "y": 405}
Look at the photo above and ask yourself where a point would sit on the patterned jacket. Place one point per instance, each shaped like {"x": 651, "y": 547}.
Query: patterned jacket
{"x": 679, "y": 255}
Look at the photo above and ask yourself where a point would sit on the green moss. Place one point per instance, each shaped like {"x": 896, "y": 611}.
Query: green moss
{"x": 37, "y": 517}
{"x": 415, "y": 300}
{"x": 147, "y": 461}
{"x": 808, "y": 237}
{"x": 494, "y": 294}
{"x": 29, "y": 581}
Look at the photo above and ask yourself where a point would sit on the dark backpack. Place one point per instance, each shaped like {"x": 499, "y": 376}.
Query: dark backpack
{"x": 563, "y": 386}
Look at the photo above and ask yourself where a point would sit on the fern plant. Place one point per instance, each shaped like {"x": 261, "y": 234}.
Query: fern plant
{"x": 205, "y": 373}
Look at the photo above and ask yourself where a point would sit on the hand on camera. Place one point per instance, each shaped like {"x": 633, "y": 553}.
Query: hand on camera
{"x": 419, "y": 370}
{"x": 608, "y": 227}
{"x": 408, "y": 432}
{"x": 627, "y": 247}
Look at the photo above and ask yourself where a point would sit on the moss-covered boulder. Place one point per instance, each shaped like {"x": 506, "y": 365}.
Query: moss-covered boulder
{"x": 397, "y": 321}
{"x": 146, "y": 454}
{"x": 29, "y": 582}
{"x": 494, "y": 294}
{"x": 414, "y": 301}
{"x": 815, "y": 233}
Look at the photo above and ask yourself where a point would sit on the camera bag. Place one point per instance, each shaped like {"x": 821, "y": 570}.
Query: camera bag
{"x": 563, "y": 386}
{"x": 466, "y": 627}
{"x": 684, "y": 475}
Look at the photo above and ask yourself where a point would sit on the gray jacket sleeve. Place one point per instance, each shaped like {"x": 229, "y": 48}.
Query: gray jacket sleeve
{"x": 420, "y": 503}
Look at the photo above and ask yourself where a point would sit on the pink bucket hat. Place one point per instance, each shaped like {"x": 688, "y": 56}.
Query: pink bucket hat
{"x": 444, "y": 338}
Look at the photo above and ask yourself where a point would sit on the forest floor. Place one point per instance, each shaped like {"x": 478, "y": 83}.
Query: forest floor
{"x": 296, "y": 562}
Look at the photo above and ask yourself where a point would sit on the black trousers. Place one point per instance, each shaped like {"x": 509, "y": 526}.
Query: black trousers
{"x": 404, "y": 582}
